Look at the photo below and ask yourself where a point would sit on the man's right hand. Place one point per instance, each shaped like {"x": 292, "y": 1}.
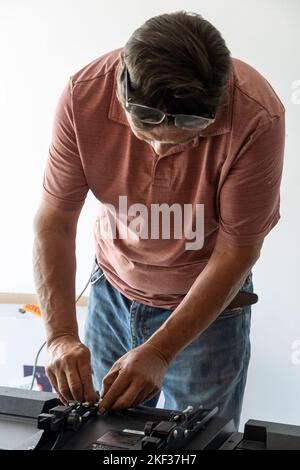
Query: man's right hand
{"x": 69, "y": 370}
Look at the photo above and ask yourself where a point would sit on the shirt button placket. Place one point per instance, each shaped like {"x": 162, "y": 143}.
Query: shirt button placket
{"x": 161, "y": 174}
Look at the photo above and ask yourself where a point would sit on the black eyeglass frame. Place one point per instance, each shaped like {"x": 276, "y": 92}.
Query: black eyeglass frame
{"x": 182, "y": 119}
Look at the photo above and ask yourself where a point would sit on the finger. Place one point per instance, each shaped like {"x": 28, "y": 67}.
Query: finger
{"x": 118, "y": 387}
{"x": 74, "y": 383}
{"x": 53, "y": 380}
{"x": 108, "y": 381}
{"x": 63, "y": 387}
{"x": 127, "y": 398}
{"x": 54, "y": 384}
{"x": 89, "y": 392}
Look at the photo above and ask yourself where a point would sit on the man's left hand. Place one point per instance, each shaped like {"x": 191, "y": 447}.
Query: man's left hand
{"x": 134, "y": 378}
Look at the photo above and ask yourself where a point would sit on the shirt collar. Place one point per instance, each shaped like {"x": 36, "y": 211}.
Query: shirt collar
{"x": 222, "y": 124}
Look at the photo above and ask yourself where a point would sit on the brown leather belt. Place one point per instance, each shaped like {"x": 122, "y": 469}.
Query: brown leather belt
{"x": 243, "y": 299}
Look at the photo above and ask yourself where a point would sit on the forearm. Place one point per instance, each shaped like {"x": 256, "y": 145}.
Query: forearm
{"x": 54, "y": 266}
{"x": 212, "y": 291}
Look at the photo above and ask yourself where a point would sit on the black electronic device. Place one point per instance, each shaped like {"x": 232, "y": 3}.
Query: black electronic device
{"x": 38, "y": 420}
{"x": 264, "y": 435}
{"x": 76, "y": 426}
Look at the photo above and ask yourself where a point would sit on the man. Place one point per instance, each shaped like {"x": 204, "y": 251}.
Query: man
{"x": 169, "y": 121}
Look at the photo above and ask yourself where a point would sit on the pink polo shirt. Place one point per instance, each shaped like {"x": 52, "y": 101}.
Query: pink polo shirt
{"x": 232, "y": 169}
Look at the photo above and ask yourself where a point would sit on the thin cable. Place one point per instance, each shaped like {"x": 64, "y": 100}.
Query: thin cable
{"x": 35, "y": 364}
{"x": 44, "y": 344}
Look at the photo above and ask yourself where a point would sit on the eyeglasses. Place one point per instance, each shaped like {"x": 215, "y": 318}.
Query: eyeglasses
{"x": 154, "y": 116}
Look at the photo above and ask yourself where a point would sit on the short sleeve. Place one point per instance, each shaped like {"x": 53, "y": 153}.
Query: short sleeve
{"x": 64, "y": 182}
{"x": 249, "y": 201}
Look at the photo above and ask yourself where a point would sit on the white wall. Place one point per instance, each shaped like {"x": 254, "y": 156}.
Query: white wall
{"x": 43, "y": 43}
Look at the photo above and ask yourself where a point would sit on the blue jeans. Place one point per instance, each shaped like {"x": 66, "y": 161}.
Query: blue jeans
{"x": 211, "y": 371}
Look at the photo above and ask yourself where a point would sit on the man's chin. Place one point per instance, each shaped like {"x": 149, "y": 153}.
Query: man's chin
{"x": 151, "y": 139}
